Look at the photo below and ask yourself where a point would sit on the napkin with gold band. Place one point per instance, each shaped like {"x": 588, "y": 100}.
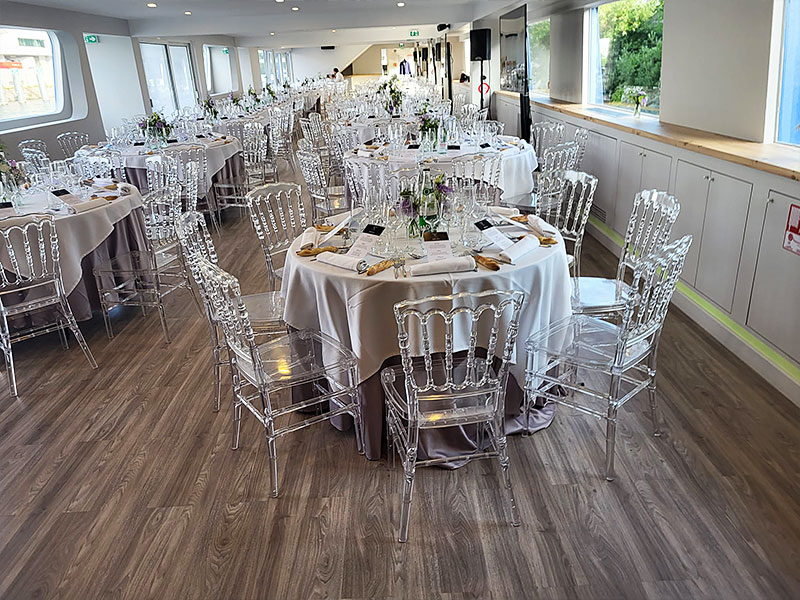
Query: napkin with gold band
{"x": 309, "y": 238}
{"x": 518, "y": 250}
{"x": 343, "y": 261}
{"x": 448, "y": 265}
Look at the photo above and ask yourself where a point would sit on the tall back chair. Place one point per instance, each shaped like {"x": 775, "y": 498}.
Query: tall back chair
{"x": 71, "y": 141}
{"x": 568, "y": 208}
{"x": 38, "y": 161}
{"x": 278, "y": 216}
{"x": 261, "y": 372}
{"x": 162, "y": 172}
{"x": 436, "y": 388}
{"x": 581, "y": 138}
{"x": 650, "y": 226}
{"x": 30, "y": 279}
{"x": 545, "y": 134}
{"x": 618, "y": 349}
{"x": 34, "y": 145}
{"x": 325, "y": 199}
{"x": 560, "y": 157}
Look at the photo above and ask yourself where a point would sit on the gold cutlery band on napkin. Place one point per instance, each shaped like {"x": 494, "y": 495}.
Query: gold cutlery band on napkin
{"x": 381, "y": 266}
{"x": 324, "y": 228}
{"x": 315, "y": 251}
{"x": 486, "y": 262}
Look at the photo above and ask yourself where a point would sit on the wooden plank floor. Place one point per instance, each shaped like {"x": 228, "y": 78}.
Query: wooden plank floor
{"x": 121, "y": 483}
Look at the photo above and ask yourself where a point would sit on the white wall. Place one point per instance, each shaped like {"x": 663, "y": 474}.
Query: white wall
{"x": 566, "y": 56}
{"x": 245, "y": 69}
{"x": 310, "y": 62}
{"x": 715, "y": 65}
{"x": 117, "y": 97}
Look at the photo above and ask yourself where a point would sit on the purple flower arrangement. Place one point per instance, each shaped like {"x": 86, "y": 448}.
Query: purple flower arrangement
{"x": 155, "y": 126}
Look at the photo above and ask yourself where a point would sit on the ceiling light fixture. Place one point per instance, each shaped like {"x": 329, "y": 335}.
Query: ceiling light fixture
{"x": 295, "y": 8}
{"x": 187, "y": 12}
{"x": 333, "y": 31}
{"x": 279, "y": 1}
{"x": 401, "y": 4}
{"x": 272, "y": 33}
{"x": 152, "y": 5}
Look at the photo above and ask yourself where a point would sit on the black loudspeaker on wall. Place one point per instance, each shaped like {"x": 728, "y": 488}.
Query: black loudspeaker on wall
{"x": 480, "y": 44}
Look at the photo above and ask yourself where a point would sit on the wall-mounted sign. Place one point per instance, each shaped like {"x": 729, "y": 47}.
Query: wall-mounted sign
{"x": 91, "y": 38}
{"x": 791, "y": 238}
{"x": 413, "y": 33}
{"x": 401, "y": 45}
{"x": 225, "y": 51}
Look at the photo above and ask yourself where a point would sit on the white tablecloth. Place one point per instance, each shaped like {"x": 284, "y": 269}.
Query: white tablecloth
{"x": 516, "y": 167}
{"x": 81, "y": 233}
{"x": 356, "y": 310}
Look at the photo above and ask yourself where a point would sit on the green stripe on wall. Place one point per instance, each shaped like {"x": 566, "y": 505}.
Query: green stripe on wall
{"x": 774, "y": 357}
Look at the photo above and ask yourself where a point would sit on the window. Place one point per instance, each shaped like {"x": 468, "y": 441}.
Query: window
{"x": 789, "y": 109}
{"x": 276, "y": 67}
{"x": 217, "y": 63}
{"x": 539, "y": 56}
{"x": 625, "y": 54}
{"x": 267, "y": 68}
{"x": 170, "y": 81}
{"x": 31, "y": 84}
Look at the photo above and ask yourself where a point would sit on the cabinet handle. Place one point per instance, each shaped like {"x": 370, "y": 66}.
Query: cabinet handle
{"x": 712, "y": 179}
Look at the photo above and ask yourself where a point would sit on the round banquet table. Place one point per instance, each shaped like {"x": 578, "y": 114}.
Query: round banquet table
{"x": 356, "y": 310}
{"x": 518, "y": 161}
{"x": 366, "y": 128}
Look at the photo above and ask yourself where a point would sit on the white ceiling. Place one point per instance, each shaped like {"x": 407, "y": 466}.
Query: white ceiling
{"x": 251, "y": 21}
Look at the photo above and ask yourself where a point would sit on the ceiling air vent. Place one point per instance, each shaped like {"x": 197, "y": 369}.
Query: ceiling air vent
{"x": 327, "y": 47}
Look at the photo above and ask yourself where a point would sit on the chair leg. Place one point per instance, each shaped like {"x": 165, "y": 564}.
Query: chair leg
{"x": 237, "y": 423}
{"x": 73, "y": 325}
{"x": 62, "y": 335}
{"x": 409, "y": 467}
{"x": 273, "y": 463}
{"x": 502, "y": 456}
{"x": 217, "y": 378}
{"x": 10, "y": 371}
{"x": 611, "y": 435}
{"x": 652, "y": 394}
{"x": 107, "y": 320}
{"x": 162, "y": 315}
{"x": 357, "y": 426}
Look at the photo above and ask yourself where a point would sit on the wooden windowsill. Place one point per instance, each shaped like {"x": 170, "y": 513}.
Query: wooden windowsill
{"x": 778, "y": 159}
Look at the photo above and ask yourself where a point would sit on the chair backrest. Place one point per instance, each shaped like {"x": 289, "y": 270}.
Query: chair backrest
{"x": 71, "y": 141}
{"x": 162, "y": 171}
{"x": 560, "y": 157}
{"x": 469, "y": 109}
{"x": 568, "y": 209}
{"x": 278, "y": 216}
{"x": 37, "y": 160}
{"x": 197, "y": 245}
{"x": 161, "y": 208}
{"x": 545, "y": 134}
{"x": 458, "y": 103}
{"x": 480, "y": 167}
{"x": 314, "y": 175}
{"x": 650, "y": 226}
{"x": 31, "y": 246}
{"x": 491, "y": 319}
{"x": 581, "y": 138}
{"x": 32, "y": 144}
{"x": 654, "y": 281}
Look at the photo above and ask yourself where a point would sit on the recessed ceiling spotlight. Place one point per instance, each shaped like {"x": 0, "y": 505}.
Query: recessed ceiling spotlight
{"x": 272, "y": 33}
{"x": 333, "y": 31}
{"x": 295, "y": 8}
{"x": 152, "y": 5}
{"x": 279, "y": 1}
{"x": 401, "y": 4}
{"x": 187, "y": 12}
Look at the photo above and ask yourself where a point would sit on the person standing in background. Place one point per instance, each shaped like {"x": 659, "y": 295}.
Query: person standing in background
{"x": 336, "y": 75}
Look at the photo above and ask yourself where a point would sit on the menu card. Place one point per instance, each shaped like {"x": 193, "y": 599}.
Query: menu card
{"x": 493, "y": 234}
{"x": 365, "y": 241}
{"x": 437, "y": 245}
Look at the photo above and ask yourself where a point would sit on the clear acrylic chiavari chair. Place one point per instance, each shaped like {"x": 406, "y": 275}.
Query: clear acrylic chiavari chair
{"x": 567, "y": 207}
{"x": 560, "y": 157}
{"x": 571, "y": 355}
{"x": 162, "y": 172}
{"x": 264, "y": 374}
{"x": 191, "y": 171}
{"x": 649, "y": 228}
{"x": 30, "y": 281}
{"x": 326, "y": 200}
{"x": 545, "y": 134}
{"x": 32, "y": 144}
{"x": 438, "y": 385}
{"x": 144, "y": 278}
{"x": 581, "y": 138}
{"x": 278, "y": 216}
{"x": 38, "y": 161}
{"x": 72, "y": 141}
{"x": 264, "y": 309}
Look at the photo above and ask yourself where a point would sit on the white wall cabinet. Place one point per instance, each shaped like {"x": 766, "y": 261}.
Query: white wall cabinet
{"x": 601, "y": 161}
{"x": 774, "y": 302}
{"x": 691, "y": 190}
{"x": 639, "y": 169}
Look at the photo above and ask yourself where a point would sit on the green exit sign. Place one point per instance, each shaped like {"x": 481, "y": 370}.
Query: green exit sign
{"x": 225, "y": 51}
{"x": 401, "y": 45}
{"x": 91, "y": 38}
{"x": 413, "y": 33}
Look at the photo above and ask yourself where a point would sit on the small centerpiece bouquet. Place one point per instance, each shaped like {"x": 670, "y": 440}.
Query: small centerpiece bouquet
{"x": 425, "y": 206}
{"x": 428, "y": 133}
{"x": 156, "y": 128}
{"x": 235, "y": 100}
{"x": 253, "y": 96}
{"x": 11, "y": 176}
{"x": 210, "y": 109}
{"x": 637, "y": 96}
{"x": 392, "y": 93}
{"x": 271, "y": 92}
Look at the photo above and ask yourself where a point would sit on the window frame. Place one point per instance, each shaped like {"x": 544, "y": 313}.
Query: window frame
{"x": 531, "y": 90}
{"x": 782, "y": 73}
{"x": 61, "y": 84}
{"x": 208, "y": 65}
{"x": 170, "y": 70}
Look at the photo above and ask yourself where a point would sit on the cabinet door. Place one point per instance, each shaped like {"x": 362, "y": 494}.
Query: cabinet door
{"x": 655, "y": 170}
{"x": 723, "y": 237}
{"x": 600, "y": 161}
{"x": 629, "y": 183}
{"x": 691, "y": 190}
{"x": 776, "y": 287}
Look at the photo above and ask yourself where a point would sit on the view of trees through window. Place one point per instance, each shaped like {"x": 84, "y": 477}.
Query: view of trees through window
{"x": 631, "y": 33}
{"x": 539, "y": 56}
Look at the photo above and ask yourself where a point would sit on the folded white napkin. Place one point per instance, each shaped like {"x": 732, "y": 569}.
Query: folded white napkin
{"x": 505, "y": 211}
{"x": 339, "y": 260}
{"x": 309, "y": 237}
{"x": 449, "y": 265}
{"x": 365, "y": 153}
{"x": 540, "y": 226}
{"x": 513, "y": 253}
{"x": 336, "y": 219}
